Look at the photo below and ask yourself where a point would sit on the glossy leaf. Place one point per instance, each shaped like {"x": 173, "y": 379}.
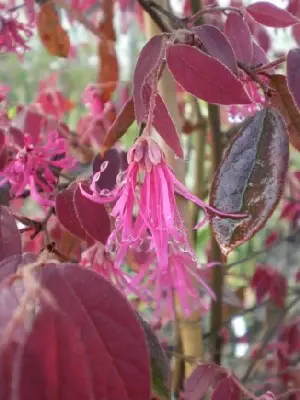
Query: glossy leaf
{"x": 93, "y": 217}
{"x": 159, "y": 362}
{"x": 163, "y": 122}
{"x": 250, "y": 178}
{"x": 270, "y": 15}
{"x": 10, "y": 238}
{"x": 239, "y": 35}
{"x": 204, "y": 76}
{"x": 55, "y": 39}
{"x": 217, "y": 45}
{"x": 283, "y": 101}
{"x": 293, "y": 75}
{"x": 66, "y": 212}
{"x": 123, "y": 121}
{"x": 113, "y": 339}
{"x": 150, "y": 56}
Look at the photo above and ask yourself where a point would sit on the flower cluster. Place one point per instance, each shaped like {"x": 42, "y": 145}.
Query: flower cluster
{"x": 147, "y": 189}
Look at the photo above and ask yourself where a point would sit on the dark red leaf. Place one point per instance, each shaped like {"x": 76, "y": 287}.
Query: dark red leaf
{"x": 149, "y": 58}
{"x": 163, "y": 122}
{"x": 93, "y": 217}
{"x": 284, "y": 102}
{"x": 116, "y": 162}
{"x": 296, "y": 33}
{"x": 278, "y": 289}
{"x": 29, "y": 121}
{"x": 217, "y": 45}
{"x": 263, "y": 38}
{"x": 260, "y": 58}
{"x": 226, "y": 389}
{"x": 10, "y": 238}
{"x": 124, "y": 119}
{"x": 261, "y": 283}
{"x": 239, "y": 35}
{"x": 270, "y": 15}
{"x": 293, "y": 74}
{"x": 9, "y": 265}
{"x": 293, "y": 7}
{"x": 66, "y": 212}
{"x": 113, "y": 339}
{"x": 53, "y": 364}
{"x": 204, "y": 76}
{"x": 197, "y": 384}
{"x": 250, "y": 178}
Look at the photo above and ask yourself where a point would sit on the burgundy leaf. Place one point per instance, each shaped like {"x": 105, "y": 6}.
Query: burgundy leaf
{"x": 263, "y": 38}
{"x": 261, "y": 283}
{"x": 278, "y": 289}
{"x": 66, "y": 212}
{"x": 29, "y": 121}
{"x": 17, "y": 136}
{"x": 293, "y": 74}
{"x": 113, "y": 339}
{"x": 9, "y": 265}
{"x": 226, "y": 389}
{"x": 293, "y": 7}
{"x": 270, "y": 15}
{"x": 204, "y": 76}
{"x": 250, "y": 178}
{"x": 124, "y": 119}
{"x": 284, "y": 102}
{"x": 92, "y": 216}
{"x": 10, "y": 238}
{"x": 239, "y": 35}
{"x": 117, "y": 162}
{"x": 198, "y": 383}
{"x": 296, "y": 33}
{"x": 217, "y": 45}
{"x": 53, "y": 364}
{"x": 163, "y": 122}
{"x": 150, "y": 57}
{"x": 260, "y": 58}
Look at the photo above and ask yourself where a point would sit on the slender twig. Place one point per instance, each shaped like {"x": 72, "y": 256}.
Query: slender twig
{"x": 218, "y": 273}
{"x": 148, "y": 7}
{"x": 270, "y": 65}
{"x": 197, "y": 15}
{"x": 254, "y": 76}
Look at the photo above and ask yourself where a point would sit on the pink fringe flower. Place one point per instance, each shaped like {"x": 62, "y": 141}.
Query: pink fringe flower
{"x": 150, "y": 185}
{"x": 181, "y": 276}
{"x": 32, "y": 167}
{"x": 13, "y": 33}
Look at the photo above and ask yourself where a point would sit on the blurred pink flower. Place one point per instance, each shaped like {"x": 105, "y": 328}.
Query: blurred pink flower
{"x": 13, "y": 33}
{"x": 32, "y": 167}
